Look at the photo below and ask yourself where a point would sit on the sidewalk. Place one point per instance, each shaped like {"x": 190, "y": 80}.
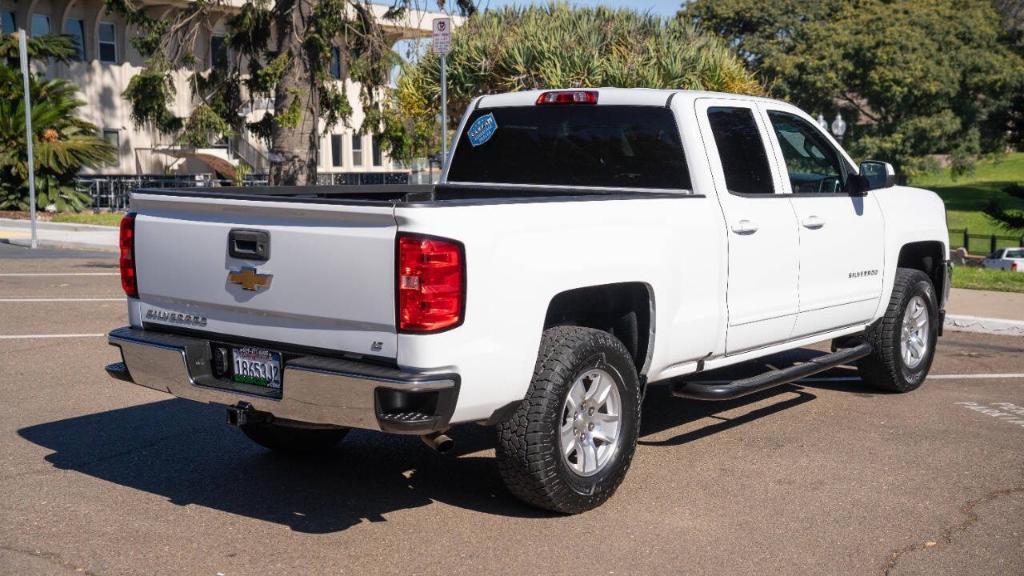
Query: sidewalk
{"x": 58, "y": 235}
{"x": 986, "y": 304}
{"x": 984, "y": 311}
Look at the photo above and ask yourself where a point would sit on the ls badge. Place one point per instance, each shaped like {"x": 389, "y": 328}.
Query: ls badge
{"x": 249, "y": 279}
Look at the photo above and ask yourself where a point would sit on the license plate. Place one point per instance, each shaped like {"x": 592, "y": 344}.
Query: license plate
{"x": 256, "y": 366}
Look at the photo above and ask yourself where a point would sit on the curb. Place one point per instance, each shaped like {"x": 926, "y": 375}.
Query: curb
{"x": 42, "y": 243}
{"x": 67, "y": 226}
{"x": 997, "y": 326}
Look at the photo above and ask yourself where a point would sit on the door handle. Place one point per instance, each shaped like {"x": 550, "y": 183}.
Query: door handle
{"x": 744, "y": 227}
{"x": 813, "y": 222}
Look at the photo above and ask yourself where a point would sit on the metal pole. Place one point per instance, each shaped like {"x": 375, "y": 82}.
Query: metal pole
{"x": 23, "y": 50}
{"x": 444, "y": 113}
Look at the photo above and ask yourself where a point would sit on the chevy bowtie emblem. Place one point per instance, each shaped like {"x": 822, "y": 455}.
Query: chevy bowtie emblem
{"x": 249, "y": 279}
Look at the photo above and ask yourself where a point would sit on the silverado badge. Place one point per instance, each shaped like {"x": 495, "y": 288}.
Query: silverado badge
{"x": 249, "y": 279}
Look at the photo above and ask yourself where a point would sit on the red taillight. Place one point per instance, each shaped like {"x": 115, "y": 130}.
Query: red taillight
{"x": 431, "y": 279}
{"x": 1013, "y": 266}
{"x": 129, "y": 280}
{"x": 568, "y": 97}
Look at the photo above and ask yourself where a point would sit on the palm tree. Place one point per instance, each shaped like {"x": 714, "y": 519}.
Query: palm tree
{"x": 62, "y": 142}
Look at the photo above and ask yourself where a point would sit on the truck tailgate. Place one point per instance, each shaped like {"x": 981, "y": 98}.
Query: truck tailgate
{"x": 330, "y": 267}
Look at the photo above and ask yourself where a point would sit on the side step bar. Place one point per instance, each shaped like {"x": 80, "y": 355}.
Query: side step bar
{"x": 771, "y": 378}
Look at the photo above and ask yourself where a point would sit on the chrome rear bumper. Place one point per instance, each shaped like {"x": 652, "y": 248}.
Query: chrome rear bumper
{"x": 315, "y": 389}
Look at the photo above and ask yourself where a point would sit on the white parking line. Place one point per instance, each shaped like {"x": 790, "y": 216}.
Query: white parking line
{"x": 973, "y": 376}
{"x": 19, "y": 274}
{"x": 62, "y": 299}
{"x": 37, "y": 336}
{"x": 857, "y": 378}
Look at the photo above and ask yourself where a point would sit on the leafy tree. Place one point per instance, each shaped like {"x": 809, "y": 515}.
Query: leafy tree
{"x": 916, "y": 77}
{"x": 555, "y": 46}
{"x": 1012, "y": 12}
{"x": 280, "y": 49}
{"x": 62, "y": 142}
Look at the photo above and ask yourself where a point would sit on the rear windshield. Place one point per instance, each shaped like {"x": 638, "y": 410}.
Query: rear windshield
{"x": 572, "y": 145}
{"x": 1015, "y": 253}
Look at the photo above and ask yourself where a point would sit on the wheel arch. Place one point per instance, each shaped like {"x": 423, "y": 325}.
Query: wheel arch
{"x": 623, "y": 309}
{"x": 928, "y": 256}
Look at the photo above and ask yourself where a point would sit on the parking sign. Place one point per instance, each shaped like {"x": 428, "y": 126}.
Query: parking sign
{"x": 442, "y": 35}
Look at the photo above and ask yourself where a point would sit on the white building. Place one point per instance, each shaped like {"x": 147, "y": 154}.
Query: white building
{"x": 106, "y": 61}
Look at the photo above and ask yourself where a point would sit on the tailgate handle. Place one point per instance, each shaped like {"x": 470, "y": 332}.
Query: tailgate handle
{"x": 249, "y": 244}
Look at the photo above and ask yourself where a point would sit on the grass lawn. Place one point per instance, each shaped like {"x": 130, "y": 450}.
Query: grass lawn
{"x": 985, "y": 279}
{"x": 99, "y": 219}
{"x": 966, "y": 197}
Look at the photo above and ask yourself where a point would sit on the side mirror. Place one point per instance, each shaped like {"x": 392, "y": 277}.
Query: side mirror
{"x": 877, "y": 174}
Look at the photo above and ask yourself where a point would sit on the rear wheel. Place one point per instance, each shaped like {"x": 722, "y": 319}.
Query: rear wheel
{"x": 569, "y": 444}
{"x": 292, "y": 438}
{"x": 904, "y": 339}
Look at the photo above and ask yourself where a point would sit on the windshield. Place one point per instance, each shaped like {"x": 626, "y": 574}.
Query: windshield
{"x": 572, "y": 145}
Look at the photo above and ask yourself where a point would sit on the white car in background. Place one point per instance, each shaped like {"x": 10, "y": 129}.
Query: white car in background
{"x": 1011, "y": 259}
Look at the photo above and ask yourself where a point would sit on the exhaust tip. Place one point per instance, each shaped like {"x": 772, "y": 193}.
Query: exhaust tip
{"x": 438, "y": 441}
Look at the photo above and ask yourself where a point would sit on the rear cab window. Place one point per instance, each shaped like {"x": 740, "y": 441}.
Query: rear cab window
{"x": 605, "y": 146}
{"x": 741, "y": 151}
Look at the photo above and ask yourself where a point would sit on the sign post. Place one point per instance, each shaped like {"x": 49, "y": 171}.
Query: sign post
{"x": 23, "y": 52}
{"x": 442, "y": 45}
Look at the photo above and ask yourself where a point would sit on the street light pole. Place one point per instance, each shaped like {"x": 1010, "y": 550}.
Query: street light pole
{"x": 23, "y": 52}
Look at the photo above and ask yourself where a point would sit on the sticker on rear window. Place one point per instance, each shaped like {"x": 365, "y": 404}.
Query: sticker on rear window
{"x": 482, "y": 129}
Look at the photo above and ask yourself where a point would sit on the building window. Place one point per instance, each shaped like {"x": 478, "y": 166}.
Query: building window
{"x": 40, "y": 25}
{"x": 218, "y": 51}
{"x": 108, "y": 43}
{"x": 76, "y": 29}
{"x": 336, "y": 150}
{"x": 335, "y": 63}
{"x": 113, "y": 137}
{"x": 10, "y": 25}
{"x": 375, "y": 148}
{"x": 357, "y": 149}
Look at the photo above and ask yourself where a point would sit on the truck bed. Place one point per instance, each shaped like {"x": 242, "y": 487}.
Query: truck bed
{"x": 406, "y": 194}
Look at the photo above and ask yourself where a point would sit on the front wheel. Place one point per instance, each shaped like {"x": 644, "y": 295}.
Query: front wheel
{"x": 904, "y": 339}
{"x": 569, "y": 444}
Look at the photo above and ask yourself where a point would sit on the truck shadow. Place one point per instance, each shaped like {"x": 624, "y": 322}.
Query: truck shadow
{"x": 184, "y": 452}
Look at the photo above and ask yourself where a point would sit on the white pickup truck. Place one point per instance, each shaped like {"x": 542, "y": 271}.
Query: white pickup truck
{"x": 581, "y": 244}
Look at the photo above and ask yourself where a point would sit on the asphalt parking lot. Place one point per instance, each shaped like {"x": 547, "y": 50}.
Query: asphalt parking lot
{"x": 826, "y": 477}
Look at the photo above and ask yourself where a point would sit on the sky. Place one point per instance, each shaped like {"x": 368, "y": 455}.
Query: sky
{"x": 658, "y": 7}
{"x": 664, "y": 8}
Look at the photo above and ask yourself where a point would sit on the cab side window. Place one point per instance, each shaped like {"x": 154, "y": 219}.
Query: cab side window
{"x": 741, "y": 150}
{"x": 813, "y": 164}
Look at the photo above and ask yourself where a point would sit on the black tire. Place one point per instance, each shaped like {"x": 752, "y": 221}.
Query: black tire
{"x": 528, "y": 452}
{"x": 885, "y": 368}
{"x": 293, "y": 439}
